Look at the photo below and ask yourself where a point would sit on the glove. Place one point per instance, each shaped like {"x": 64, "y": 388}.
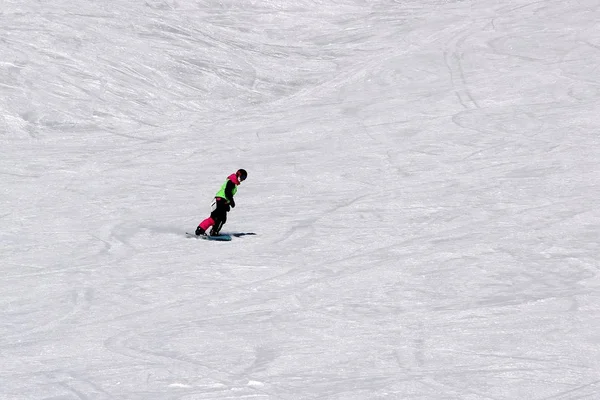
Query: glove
{"x": 232, "y": 203}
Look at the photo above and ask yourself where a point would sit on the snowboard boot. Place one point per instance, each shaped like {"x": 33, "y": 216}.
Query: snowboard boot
{"x": 200, "y": 231}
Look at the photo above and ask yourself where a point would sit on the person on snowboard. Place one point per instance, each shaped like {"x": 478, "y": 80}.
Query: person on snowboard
{"x": 222, "y": 204}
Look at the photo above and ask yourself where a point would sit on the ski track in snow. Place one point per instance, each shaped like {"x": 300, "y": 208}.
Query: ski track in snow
{"x": 461, "y": 136}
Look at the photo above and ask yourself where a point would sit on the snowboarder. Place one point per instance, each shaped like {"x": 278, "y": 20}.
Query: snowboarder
{"x": 222, "y": 204}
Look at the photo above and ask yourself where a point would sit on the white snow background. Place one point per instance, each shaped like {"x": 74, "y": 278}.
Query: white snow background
{"x": 423, "y": 183}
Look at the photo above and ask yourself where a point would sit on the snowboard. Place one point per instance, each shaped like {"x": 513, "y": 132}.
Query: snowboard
{"x": 218, "y": 238}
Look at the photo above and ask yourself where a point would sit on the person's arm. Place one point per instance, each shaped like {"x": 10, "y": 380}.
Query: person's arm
{"x": 229, "y": 193}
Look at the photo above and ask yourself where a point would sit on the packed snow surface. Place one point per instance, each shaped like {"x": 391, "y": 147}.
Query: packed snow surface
{"x": 423, "y": 186}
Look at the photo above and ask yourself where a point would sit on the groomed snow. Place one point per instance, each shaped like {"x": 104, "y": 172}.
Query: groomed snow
{"x": 423, "y": 184}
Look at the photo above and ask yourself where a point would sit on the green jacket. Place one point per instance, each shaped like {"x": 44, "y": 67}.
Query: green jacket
{"x": 229, "y": 189}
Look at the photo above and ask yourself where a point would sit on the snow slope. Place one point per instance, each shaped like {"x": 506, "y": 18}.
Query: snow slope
{"x": 424, "y": 187}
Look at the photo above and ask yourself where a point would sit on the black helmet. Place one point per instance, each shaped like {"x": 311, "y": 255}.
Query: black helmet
{"x": 241, "y": 174}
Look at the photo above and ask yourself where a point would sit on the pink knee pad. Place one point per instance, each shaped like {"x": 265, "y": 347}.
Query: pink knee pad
{"x": 207, "y": 223}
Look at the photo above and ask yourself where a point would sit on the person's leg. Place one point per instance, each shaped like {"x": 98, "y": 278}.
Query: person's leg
{"x": 210, "y": 221}
{"x": 219, "y": 216}
{"x": 217, "y": 226}
{"x": 204, "y": 225}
